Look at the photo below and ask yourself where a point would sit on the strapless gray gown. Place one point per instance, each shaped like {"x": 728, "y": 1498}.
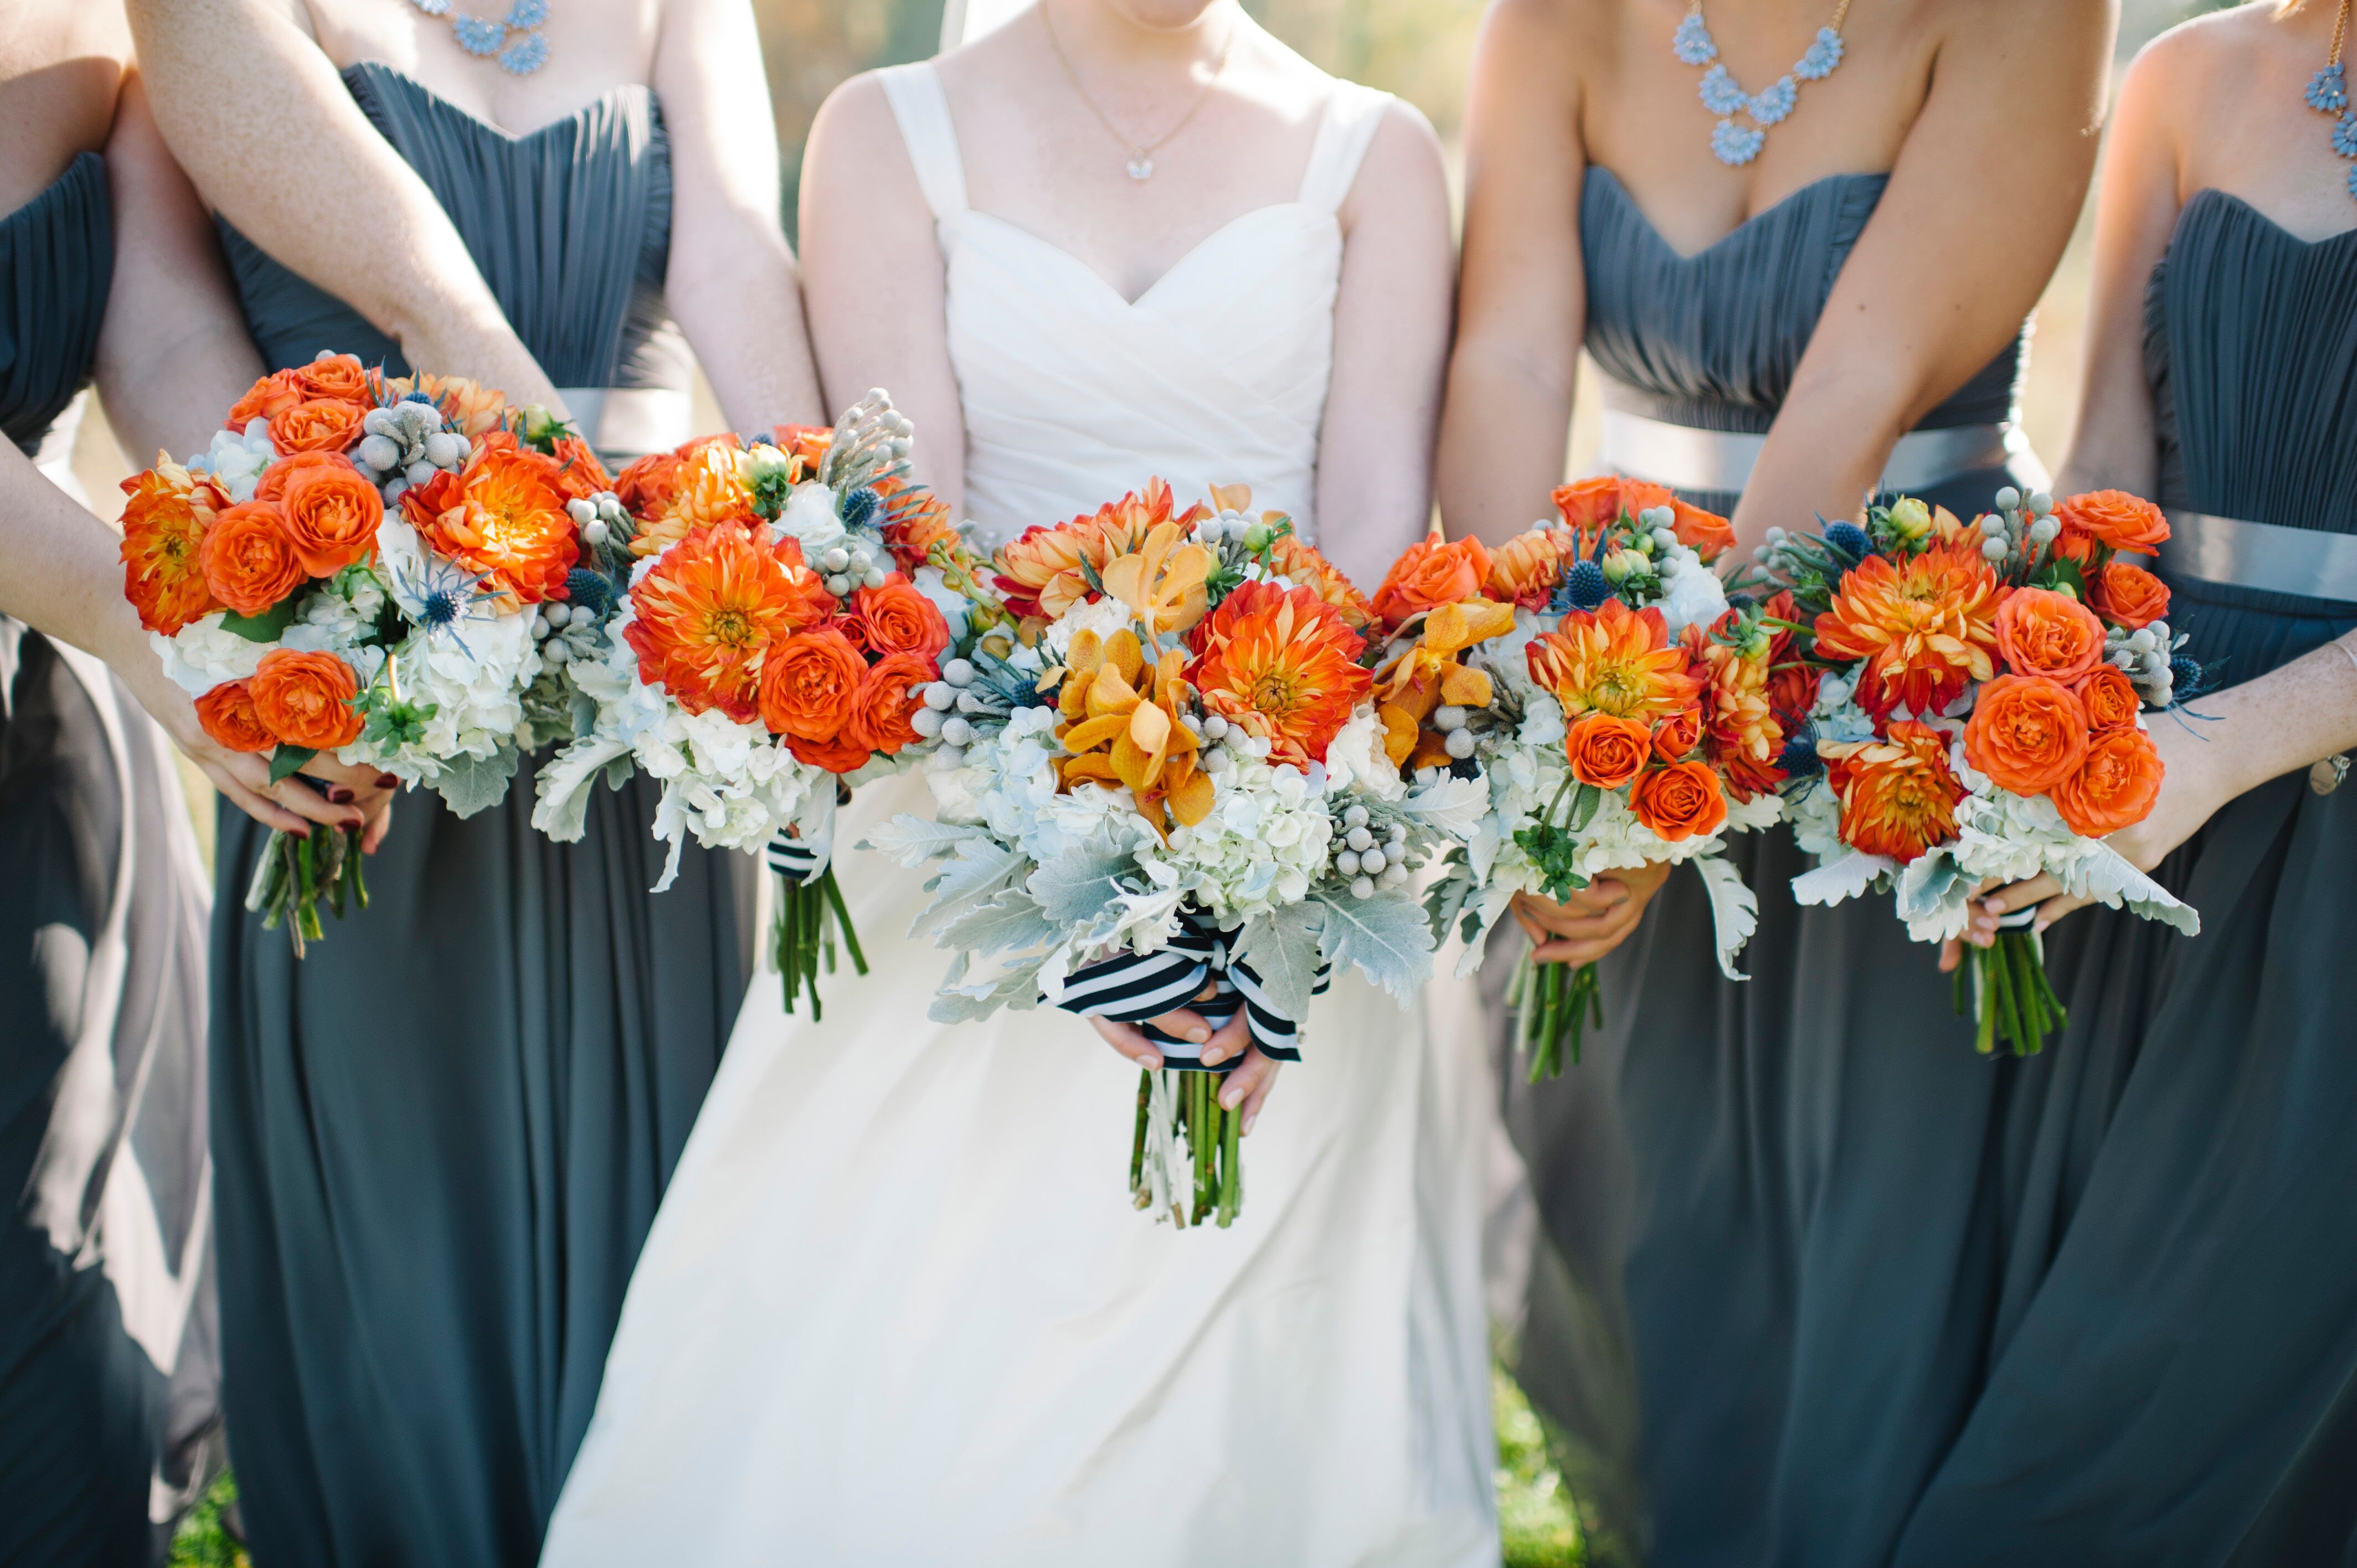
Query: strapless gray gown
{"x": 443, "y": 1135}
{"x": 2171, "y": 1375}
{"x": 107, "y": 1368}
{"x": 1774, "y": 1214}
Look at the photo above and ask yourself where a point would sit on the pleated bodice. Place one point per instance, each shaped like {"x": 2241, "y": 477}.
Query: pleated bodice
{"x": 2251, "y": 351}
{"x": 57, "y": 259}
{"x": 569, "y": 225}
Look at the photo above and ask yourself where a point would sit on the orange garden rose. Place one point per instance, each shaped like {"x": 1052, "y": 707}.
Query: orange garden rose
{"x": 272, "y": 394}
{"x": 1592, "y": 504}
{"x": 323, "y": 425}
{"x": 887, "y": 696}
{"x": 2128, "y": 595}
{"x": 807, "y": 683}
{"x": 250, "y": 559}
{"x": 1434, "y": 572}
{"x": 1675, "y": 737}
{"x": 1614, "y": 660}
{"x": 1898, "y": 795}
{"x": 1606, "y": 750}
{"x": 838, "y": 754}
{"x": 227, "y": 714}
{"x": 331, "y": 511}
{"x": 2112, "y": 518}
{"x": 305, "y": 699}
{"x": 1039, "y": 573}
{"x": 898, "y": 619}
{"x": 1705, "y": 533}
{"x": 710, "y": 608}
{"x": 1281, "y": 663}
{"x": 1925, "y": 627}
{"x": 164, "y": 525}
{"x": 1525, "y": 570}
{"x": 2109, "y": 697}
{"x": 339, "y": 378}
{"x": 1679, "y": 801}
{"x": 501, "y": 518}
{"x": 2040, "y": 632}
{"x": 2028, "y": 733}
{"x": 1301, "y": 564}
{"x": 2114, "y": 788}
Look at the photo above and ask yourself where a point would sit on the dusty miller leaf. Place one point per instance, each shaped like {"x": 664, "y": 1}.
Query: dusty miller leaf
{"x": 1282, "y": 948}
{"x": 970, "y": 880}
{"x": 913, "y": 840}
{"x": 1385, "y": 936}
{"x": 1074, "y": 888}
{"x": 1011, "y": 922}
{"x": 471, "y": 784}
{"x": 1734, "y": 910}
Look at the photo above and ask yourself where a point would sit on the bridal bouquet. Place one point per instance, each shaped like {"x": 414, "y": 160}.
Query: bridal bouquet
{"x": 367, "y": 567}
{"x": 760, "y": 644}
{"x": 1610, "y": 708}
{"x": 1978, "y": 716}
{"x": 1170, "y": 773}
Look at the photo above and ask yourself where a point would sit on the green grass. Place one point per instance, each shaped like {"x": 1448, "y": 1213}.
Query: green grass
{"x": 1535, "y": 1517}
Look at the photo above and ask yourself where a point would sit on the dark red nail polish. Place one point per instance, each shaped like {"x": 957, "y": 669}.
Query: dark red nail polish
{"x": 387, "y": 781}
{"x": 340, "y": 795}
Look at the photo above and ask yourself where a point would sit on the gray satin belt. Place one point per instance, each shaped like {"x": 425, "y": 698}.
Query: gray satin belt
{"x": 1687, "y": 459}
{"x": 2267, "y": 556}
{"x": 623, "y": 422}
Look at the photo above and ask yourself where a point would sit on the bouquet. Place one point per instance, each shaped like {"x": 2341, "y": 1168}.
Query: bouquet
{"x": 360, "y": 565}
{"x": 1169, "y": 772}
{"x": 1980, "y": 693}
{"x": 1622, "y": 717}
{"x": 759, "y": 644}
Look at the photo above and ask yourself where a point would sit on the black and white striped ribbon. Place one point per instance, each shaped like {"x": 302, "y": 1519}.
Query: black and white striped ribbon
{"x": 1135, "y": 988}
{"x": 801, "y": 850}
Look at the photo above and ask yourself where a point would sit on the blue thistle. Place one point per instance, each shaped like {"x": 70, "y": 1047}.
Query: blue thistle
{"x": 1799, "y": 755}
{"x": 1584, "y": 586}
{"x": 860, "y": 506}
{"x": 585, "y": 588}
{"x": 1849, "y": 539}
{"x": 417, "y": 397}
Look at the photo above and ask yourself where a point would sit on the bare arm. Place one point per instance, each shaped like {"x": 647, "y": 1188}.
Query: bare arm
{"x": 731, "y": 284}
{"x": 1980, "y": 204}
{"x": 1391, "y": 348}
{"x": 289, "y": 158}
{"x": 1522, "y": 291}
{"x": 873, "y": 279}
{"x": 2113, "y": 446}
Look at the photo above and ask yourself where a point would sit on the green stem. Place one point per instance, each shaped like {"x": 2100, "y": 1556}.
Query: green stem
{"x": 1231, "y": 1181}
{"x": 1137, "y": 1139}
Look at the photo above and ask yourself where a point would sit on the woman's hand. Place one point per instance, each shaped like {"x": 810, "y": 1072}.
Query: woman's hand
{"x": 2196, "y": 783}
{"x": 1592, "y": 921}
{"x": 1247, "y": 1086}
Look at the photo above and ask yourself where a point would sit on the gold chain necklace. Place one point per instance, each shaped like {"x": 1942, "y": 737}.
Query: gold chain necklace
{"x": 1141, "y": 162}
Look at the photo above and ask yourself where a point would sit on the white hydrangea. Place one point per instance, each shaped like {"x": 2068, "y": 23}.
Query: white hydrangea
{"x": 202, "y": 654}
{"x": 1267, "y": 839}
{"x": 1692, "y": 593}
{"x": 238, "y": 458}
{"x": 809, "y": 518}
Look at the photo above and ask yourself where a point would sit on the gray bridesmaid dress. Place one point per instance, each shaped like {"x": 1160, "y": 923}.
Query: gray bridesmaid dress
{"x": 2171, "y": 1378}
{"x": 1771, "y": 1213}
{"x": 443, "y": 1135}
{"x": 107, "y": 1369}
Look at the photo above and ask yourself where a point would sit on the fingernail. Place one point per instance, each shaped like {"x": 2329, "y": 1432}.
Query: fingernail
{"x": 2037, "y": 928}
{"x": 1230, "y": 1095}
{"x": 355, "y": 822}
{"x": 302, "y": 832}
{"x": 1198, "y": 1036}
{"x": 1213, "y": 1056}
{"x": 1250, "y": 1117}
{"x": 340, "y": 795}
{"x": 1993, "y": 906}
{"x": 1151, "y": 1060}
{"x": 387, "y": 781}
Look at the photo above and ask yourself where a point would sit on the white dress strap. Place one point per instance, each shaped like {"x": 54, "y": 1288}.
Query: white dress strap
{"x": 1353, "y": 113}
{"x": 923, "y": 111}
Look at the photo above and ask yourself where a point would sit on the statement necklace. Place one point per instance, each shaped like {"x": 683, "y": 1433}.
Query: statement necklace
{"x": 2328, "y": 93}
{"x": 1735, "y": 145}
{"x": 1141, "y": 162}
{"x": 514, "y": 40}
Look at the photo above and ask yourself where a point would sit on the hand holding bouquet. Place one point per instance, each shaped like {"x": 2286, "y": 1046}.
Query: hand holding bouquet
{"x": 356, "y": 566}
{"x": 1980, "y": 713}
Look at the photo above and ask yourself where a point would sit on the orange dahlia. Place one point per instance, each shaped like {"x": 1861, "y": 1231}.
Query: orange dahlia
{"x": 1282, "y": 663}
{"x": 1898, "y": 795}
{"x": 501, "y": 518}
{"x": 164, "y": 525}
{"x": 674, "y": 493}
{"x": 916, "y": 521}
{"x": 1614, "y": 660}
{"x": 1039, "y": 574}
{"x": 1925, "y": 627}
{"x": 708, "y": 611}
{"x": 1301, "y": 564}
{"x": 1741, "y": 731}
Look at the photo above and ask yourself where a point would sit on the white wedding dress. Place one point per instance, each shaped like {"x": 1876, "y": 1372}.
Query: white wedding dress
{"x": 897, "y": 1308}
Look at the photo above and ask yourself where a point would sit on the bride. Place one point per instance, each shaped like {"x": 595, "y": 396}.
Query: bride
{"x": 897, "y": 1306}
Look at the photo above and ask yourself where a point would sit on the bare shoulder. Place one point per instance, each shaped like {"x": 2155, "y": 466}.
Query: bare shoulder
{"x": 2016, "y": 29}
{"x": 1404, "y": 151}
{"x": 855, "y": 131}
{"x": 2191, "y": 59}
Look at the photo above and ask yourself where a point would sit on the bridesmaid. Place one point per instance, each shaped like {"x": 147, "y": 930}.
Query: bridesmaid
{"x": 2175, "y": 1378}
{"x": 1771, "y": 1212}
{"x": 442, "y": 1136}
{"x": 108, "y": 1376}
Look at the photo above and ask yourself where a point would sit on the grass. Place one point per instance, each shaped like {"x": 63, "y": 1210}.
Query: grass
{"x": 1535, "y": 1517}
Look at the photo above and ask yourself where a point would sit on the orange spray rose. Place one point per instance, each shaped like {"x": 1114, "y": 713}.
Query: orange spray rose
{"x": 305, "y": 699}
{"x": 2028, "y": 733}
{"x": 227, "y": 714}
{"x": 249, "y": 558}
{"x": 2114, "y": 788}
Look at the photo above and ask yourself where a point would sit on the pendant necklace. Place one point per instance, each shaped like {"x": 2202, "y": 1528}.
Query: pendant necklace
{"x": 1140, "y": 166}
{"x": 2328, "y": 93}
{"x": 1735, "y": 145}
{"x": 514, "y": 40}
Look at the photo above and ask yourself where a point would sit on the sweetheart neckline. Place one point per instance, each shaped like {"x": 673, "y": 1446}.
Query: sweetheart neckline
{"x": 491, "y": 128}
{"x": 1192, "y": 252}
{"x": 2253, "y": 210}
{"x": 1765, "y": 213}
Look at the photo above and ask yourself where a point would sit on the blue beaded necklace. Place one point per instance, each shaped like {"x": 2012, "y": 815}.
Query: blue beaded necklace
{"x": 1735, "y": 145}
{"x": 2328, "y": 93}
{"x": 514, "y": 40}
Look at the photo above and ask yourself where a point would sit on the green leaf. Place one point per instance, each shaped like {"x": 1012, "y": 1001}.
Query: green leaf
{"x": 288, "y": 761}
{"x": 471, "y": 784}
{"x": 1583, "y": 807}
{"x": 1384, "y": 936}
{"x": 1282, "y": 948}
{"x": 2064, "y": 576}
{"x": 264, "y": 627}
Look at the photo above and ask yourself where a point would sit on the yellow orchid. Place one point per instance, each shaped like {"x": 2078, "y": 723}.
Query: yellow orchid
{"x": 1428, "y": 673}
{"x": 1122, "y": 726}
{"x": 1162, "y": 581}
